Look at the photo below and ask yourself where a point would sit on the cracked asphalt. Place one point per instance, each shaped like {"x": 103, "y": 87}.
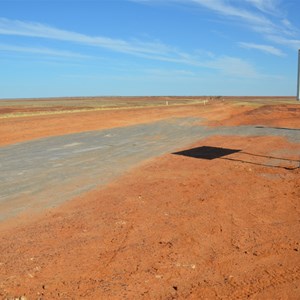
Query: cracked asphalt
{"x": 48, "y": 171}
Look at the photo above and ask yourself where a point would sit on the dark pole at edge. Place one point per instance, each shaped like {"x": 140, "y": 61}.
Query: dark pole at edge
{"x": 298, "y": 81}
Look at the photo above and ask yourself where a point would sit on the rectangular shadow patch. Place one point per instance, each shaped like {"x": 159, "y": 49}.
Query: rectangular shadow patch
{"x": 207, "y": 152}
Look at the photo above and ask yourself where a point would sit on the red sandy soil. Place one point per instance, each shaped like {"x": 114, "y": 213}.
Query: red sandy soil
{"x": 13, "y": 130}
{"x": 19, "y": 129}
{"x": 175, "y": 227}
{"x": 268, "y": 115}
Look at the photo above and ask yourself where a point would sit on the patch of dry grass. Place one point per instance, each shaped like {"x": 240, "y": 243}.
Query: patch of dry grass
{"x": 92, "y": 109}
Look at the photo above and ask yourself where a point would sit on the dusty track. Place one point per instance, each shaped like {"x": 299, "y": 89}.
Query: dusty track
{"x": 174, "y": 227}
{"x": 13, "y": 130}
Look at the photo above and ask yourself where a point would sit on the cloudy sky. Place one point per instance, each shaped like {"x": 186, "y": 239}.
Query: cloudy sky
{"x": 148, "y": 47}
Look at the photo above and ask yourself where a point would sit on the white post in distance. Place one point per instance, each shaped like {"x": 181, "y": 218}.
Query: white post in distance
{"x": 298, "y": 81}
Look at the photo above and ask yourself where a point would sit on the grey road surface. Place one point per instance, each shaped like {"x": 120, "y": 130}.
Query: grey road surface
{"x": 45, "y": 172}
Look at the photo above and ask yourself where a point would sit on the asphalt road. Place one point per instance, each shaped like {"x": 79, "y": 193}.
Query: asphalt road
{"x": 45, "y": 172}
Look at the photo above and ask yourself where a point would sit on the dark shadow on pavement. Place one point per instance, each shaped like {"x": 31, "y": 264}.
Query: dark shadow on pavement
{"x": 280, "y": 128}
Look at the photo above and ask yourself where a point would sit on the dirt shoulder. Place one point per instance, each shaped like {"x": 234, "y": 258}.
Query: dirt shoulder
{"x": 220, "y": 222}
{"x": 214, "y": 113}
{"x": 176, "y": 227}
{"x": 13, "y": 130}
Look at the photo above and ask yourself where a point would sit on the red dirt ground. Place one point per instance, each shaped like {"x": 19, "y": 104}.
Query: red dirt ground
{"x": 174, "y": 227}
{"x": 13, "y": 130}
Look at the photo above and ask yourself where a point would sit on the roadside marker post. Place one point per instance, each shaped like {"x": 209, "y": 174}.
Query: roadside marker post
{"x": 298, "y": 81}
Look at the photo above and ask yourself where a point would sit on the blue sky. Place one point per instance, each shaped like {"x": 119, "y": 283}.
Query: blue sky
{"x": 148, "y": 47}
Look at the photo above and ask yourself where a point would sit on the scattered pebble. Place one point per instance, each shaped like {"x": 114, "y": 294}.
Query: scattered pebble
{"x": 121, "y": 222}
{"x": 192, "y": 266}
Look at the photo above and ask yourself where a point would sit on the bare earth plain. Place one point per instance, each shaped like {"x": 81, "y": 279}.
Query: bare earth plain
{"x": 150, "y": 198}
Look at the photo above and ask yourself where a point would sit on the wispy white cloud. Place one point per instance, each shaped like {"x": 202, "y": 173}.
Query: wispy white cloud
{"x": 232, "y": 66}
{"x": 257, "y": 20}
{"x": 42, "y": 51}
{"x": 291, "y": 43}
{"x": 263, "y": 16}
{"x": 149, "y": 50}
{"x": 275, "y": 28}
{"x": 264, "y": 48}
{"x": 38, "y": 30}
{"x": 231, "y": 9}
{"x": 224, "y": 8}
{"x": 266, "y": 6}
{"x": 170, "y": 73}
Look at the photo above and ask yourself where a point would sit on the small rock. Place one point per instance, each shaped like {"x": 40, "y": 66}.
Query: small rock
{"x": 228, "y": 279}
{"x": 121, "y": 223}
